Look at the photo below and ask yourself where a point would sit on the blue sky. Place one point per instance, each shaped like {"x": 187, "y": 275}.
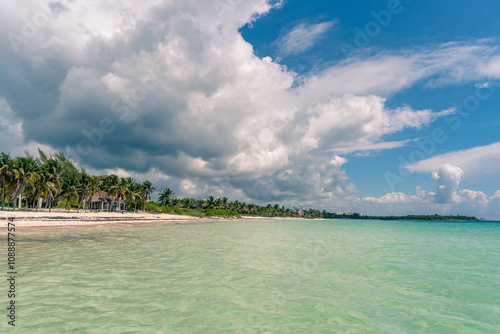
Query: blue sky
{"x": 380, "y": 107}
{"x": 416, "y": 24}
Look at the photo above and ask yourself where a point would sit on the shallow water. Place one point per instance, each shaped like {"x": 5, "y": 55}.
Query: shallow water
{"x": 262, "y": 277}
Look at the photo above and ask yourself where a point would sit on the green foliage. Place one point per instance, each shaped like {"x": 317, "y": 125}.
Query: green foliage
{"x": 155, "y": 207}
{"x": 175, "y": 210}
{"x": 435, "y": 217}
{"x": 218, "y": 213}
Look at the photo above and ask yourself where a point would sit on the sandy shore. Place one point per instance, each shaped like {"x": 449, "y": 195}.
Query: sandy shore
{"x": 62, "y": 219}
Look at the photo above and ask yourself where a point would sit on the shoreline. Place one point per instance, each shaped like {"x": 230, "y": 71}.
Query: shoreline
{"x": 27, "y": 221}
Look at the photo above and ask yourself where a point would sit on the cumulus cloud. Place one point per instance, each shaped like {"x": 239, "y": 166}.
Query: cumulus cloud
{"x": 447, "y": 199}
{"x": 448, "y": 179}
{"x": 394, "y": 197}
{"x": 477, "y": 162}
{"x": 302, "y": 37}
{"x": 173, "y": 89}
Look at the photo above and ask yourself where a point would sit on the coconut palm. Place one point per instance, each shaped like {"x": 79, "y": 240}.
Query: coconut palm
{"x": 84, "y": 189}
{"x": 148, "y": 191}
{"x": 210, "y": 203}
{"x": 55, "y": 177}
{"x": 119, "y": 190}
{"x": 95, "y": 186}
{"x": 24, "y": 175}
{"x": 5, "y": 171}
{"x": 70, "y": 190}
{"x": 48, "y": 190}
{"x": 129, "y": 191}
{"x": 166, "y": 196}
{"x": 38, "y": 186}
{"x": 110, "y": 185}
{"x": 137, "y": 194}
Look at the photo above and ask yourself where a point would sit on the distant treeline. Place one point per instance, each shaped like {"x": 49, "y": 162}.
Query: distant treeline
{"x": 435, "y": 217}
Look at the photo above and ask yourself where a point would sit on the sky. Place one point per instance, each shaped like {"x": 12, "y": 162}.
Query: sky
{"x": 379, "y": 107}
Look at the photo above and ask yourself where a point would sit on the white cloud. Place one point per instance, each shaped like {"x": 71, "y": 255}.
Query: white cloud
{"x": 302, "y": 37}
{"x": 448, "y": 179}
{"x": 448, "y": 199}
{"x": 395, "y": 197}
{"x": 389, "y": 72}
{"x": 477, "y": 162}
{"x": 338, "y": 161}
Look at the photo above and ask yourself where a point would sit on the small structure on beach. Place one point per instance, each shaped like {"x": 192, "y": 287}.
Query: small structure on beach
{"x": 103, "y": 202}
{"x": 301, "y": 213}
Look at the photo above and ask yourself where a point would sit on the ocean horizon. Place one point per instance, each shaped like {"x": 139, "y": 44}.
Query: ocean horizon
{"x": 313, "y": 276}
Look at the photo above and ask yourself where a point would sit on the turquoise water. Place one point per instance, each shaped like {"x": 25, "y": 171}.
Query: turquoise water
{"x": 262, "y": 277}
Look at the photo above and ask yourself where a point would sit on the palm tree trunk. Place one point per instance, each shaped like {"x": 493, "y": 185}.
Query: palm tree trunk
{"x": 50, "y": 204}
{"x": 69, "y": 203}
{"x": 3, "y": 191}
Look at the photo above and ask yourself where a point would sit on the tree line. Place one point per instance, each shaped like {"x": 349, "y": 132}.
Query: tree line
{"x": 435, "y": 217}
{"x": 55, "y": 181}
{"x": 222, "y": 206}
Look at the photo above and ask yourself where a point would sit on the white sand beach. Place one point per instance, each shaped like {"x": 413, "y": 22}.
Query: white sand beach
{"x": 62, "y": 219}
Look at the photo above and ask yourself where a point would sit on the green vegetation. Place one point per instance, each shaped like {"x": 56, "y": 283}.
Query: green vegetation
{"x": 56, "y": 182}
{"x": 220, "y": 207}
{"x": 435, "y": 217}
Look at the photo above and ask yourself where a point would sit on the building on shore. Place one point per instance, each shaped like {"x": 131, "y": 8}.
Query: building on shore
{"x": 103, "y": 202}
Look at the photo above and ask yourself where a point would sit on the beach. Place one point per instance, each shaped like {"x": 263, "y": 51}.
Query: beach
{"x": 62, "y": 219}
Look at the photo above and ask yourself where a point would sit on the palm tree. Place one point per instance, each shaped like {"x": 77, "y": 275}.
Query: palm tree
{"x": 23, "y": 173}
{"x": 38, "y": 186}
{"x": 5, "y": 170}
{"x": 119, "y": 190}
{"x": 95, "y": 186}
{"x": 148, "y": 191}
{"x": 224, "y": 203}
{"x": 30, "y": 186}
{"x": 137, "y": 194}
{"x": 210, "y": 202}
{"x": 48, "y": 190}
{"x": 166, "y": 196}
{"x": 110, "y": 185}
{"x": 84, "y": 189}
{"x": 70, "y": 189}
{"x": 129, "y": 191}
{"x": 55, "y": 177}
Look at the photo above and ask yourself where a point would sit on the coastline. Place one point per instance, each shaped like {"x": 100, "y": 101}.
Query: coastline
{"x": 62, "y": 220}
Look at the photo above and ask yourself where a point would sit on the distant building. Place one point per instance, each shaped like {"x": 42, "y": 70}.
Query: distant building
{"x": 103, "y": 202}
{"x": 301, "y": 213}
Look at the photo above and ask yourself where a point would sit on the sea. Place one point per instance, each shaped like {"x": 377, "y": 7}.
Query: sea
{"x": 296, "y": 276}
